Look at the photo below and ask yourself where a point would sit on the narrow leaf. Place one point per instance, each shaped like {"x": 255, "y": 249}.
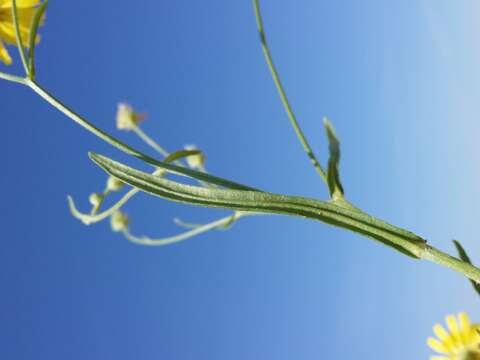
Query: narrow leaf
{"x": 36, "y": 22}
{"x": 463, "y": 256}
{"x": 180, "y": 155}
{"x": 333, "y": 176}
{"x": 263, "y": 202}
{"x": 88, "y": 219}
{"x": 18, "y": 36}
{"x": 179, "y": 170}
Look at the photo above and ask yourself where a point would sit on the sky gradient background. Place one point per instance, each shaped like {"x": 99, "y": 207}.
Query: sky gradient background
{"x": 400, "y": 82}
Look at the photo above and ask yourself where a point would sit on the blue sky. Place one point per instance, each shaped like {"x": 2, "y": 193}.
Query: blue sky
{"x": 400, "y": 82}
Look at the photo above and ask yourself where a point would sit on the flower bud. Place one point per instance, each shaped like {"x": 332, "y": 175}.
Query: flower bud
{"x": 95, "y": 199}
{"x": 127, "y": 119}
{"x": 114, "y": 184}
{"x": 196, "y": 161}
{"x": 119, "y": 221}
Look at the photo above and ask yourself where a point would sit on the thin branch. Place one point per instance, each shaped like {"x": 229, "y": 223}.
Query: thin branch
{"x": 88, "y": 219}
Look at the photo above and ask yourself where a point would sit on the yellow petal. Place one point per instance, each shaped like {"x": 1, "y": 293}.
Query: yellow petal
{"x": 437, "y": 346}
{"x": 27, "y": 3}
{"x": 464, "y": 321}
{"x": 466, "y": 328}
{"x": 7, "y": 33}
{"x": 438, "y": 358}
{"x": 4, "y": 56}
{"x": 24, "y": 16}
{"x": 4, "y": 4}
{"x": 444, "y": 336}
{"x": 440, "y": 332}
{"x": 453, "y": 327}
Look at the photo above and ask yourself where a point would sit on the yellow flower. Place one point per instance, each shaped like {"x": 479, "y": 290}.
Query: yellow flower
{"x": 461, "y": 342}
{"x": 25, "y": 11}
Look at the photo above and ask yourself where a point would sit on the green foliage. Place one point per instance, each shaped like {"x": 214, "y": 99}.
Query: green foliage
{"x": 263, "y": 202}
{"x": 333, "y": 176}
{"x": 37, "y": 19}
{"x": 464, "y": 257}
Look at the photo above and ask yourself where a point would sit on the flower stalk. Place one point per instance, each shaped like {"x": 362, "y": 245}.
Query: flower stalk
{"x": 283, "y": 95}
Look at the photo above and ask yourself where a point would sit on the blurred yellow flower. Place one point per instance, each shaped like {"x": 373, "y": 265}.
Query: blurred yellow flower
{"x": 461, "y": 342}
{"x": 25, "y": 11}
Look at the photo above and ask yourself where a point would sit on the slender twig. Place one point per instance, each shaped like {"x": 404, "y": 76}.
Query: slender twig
{"x": 88, "y": 219}
{"x": 144, "y": 240}
{"x": 283, "y": 96}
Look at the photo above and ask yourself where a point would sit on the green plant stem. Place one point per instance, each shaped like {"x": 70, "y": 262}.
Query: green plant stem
{"x": 439, "y": 257}
{"x": 86, "y": 124}
{"x": 283, "y": 96}
{"x": 18, "y": 36}
{"x": 153, "y": 144}
{"x": 149, "y": 141}
{"x": 179, "y": 170}
{"x": 144, "y": 240}
{"x": 13, "y": 78}
{"x": 88, "y": 219}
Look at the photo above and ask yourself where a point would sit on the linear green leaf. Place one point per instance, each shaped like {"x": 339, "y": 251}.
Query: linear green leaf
{"x": 257, "y": 201}
{"x": 36, "y": 21}
{"x": 463, "y": 255}
{"x": 193, "y": 174}
{"x": 88, "y": 219}
{"x": 333, "y": 175}
{"x": 18, "y": 37}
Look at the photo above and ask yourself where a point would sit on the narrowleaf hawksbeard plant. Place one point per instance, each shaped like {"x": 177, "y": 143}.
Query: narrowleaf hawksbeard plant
{"x": 19, "y": 24}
